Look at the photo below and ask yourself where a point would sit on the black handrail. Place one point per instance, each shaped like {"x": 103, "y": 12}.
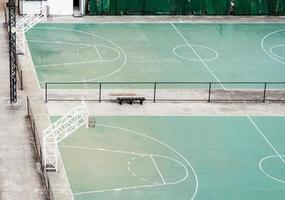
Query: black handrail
{"x": 212, "y": 87}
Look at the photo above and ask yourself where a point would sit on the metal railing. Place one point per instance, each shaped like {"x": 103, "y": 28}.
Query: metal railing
{"x": 167, "y": 91}
{"x": 39, "y": 153}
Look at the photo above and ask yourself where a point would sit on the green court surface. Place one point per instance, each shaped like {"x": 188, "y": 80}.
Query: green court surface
{"x": 179, "y": 158}
{"x": 158, "y": 52}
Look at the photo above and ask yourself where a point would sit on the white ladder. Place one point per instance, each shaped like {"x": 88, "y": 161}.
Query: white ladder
{"x": 59, "y": 130}
{"x": 26, "y": 24}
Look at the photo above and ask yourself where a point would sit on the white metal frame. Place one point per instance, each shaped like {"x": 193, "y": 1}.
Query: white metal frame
{"x": 58, "y": 131}
{"x": 26, "y": 24}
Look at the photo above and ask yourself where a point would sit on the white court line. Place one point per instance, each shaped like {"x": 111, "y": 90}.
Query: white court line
{"x": 134, "y": 153}
{"x": 98, "y": 36}
{"x": 143, "y": 186}
{"x": 79, "y": 62}
{"x": 268, "y": 53}
{"x": 194, "y": 59}
{"x": 182, "y": 20}
{"x": 105, "y": 150}
{"x": 275, "y": 54}
{"x": 264, "y": 137}
{"x": 266, "y": 173}
{"x": 119, "y": 189}
{"x": 65, "y": 174}
{"x": 64, "y": 169}
{"x": 100, "y": 57}
{"x": 167, "y": 146}
{"x": 198, "y": 56}
{"x": 157, "y": 169}
{"x": 60, "y": 42}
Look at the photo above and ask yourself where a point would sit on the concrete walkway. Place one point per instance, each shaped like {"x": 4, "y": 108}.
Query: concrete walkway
{"x": 19, "y": 176}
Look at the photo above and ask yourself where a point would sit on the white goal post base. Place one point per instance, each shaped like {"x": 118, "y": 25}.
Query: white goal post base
{"x": 59, "y": 130}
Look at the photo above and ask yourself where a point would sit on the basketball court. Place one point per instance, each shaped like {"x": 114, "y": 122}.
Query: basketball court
{"x": 166, "y": 157}
{"x": 148, "y": 52}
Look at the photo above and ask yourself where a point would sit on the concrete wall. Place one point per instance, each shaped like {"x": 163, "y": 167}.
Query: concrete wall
{"x": 28, "y": 6}
{"x": 56, "y": 7}
{"x": 61, "y": 7}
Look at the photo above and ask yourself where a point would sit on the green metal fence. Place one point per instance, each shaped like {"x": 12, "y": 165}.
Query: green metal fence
{"x": 187, "y": 7}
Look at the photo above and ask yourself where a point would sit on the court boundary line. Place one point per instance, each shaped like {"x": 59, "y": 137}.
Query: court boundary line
{"x": 29, "y": 56}
{"x": 166, "y": 21}
{"x": 151, "y": 157}
{"x": 65, "y": 173}
{"x": 198, "y": 56}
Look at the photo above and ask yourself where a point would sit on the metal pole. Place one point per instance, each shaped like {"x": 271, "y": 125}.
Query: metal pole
{"x": 46, "y": 92}
{"x": 21, "y": 80}
{"x": 154, "y": 92}
{"x": 209, "y": 97}
{"x": 100, "y": 91}
{"x": 28, "y": 107}
{"x": 12, "y": 51}
{"x": 264, "y": 92}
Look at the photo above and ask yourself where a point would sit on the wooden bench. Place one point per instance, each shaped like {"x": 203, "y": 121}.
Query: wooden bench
{"x": 130, "y": 100}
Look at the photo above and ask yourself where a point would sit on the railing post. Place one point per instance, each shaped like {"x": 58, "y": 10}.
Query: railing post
{"x": 209, "y": 95}
{"x": 100, "y": 91}
{"x": 21, "y": 80}
{"x": 264, "y": 92}
{"x": 154, "y": 92}
{"x": 28, "y": 107}
{"x": 46, "y": 92}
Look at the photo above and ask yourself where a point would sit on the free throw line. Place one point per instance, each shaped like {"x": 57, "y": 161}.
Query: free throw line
{"x": 157, "y": 169}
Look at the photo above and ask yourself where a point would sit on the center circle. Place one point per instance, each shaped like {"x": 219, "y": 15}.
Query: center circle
{"x": 197, "y": 53}
{"x": 272, "y": 159}
{"x": 270, "y": 42}
{"x": 274, "y": 50}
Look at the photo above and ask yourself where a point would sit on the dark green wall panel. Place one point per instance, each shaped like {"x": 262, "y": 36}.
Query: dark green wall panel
{"x": 186, "y": 7}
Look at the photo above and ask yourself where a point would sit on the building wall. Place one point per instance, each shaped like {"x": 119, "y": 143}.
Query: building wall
{"x": 28, "y": 6}
{"x": 56, "y": 7}
{"x": 61, "y": 7}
